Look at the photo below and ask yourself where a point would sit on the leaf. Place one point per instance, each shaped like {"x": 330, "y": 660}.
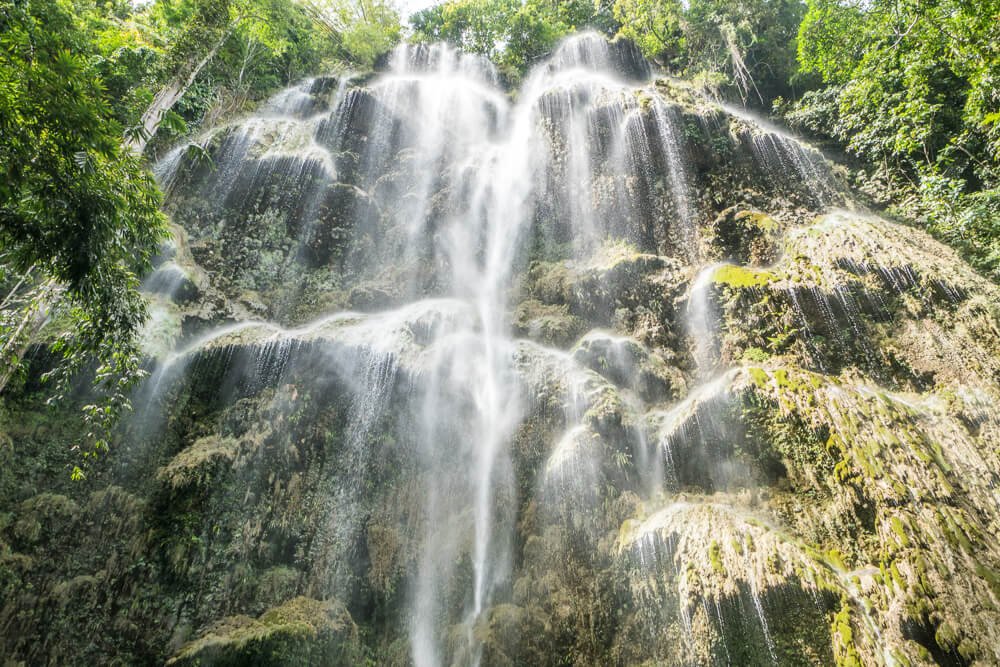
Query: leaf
{"x": 172, "y": 122}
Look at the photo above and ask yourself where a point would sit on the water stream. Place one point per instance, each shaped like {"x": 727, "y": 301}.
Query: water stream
{"x": 449, "y": 179}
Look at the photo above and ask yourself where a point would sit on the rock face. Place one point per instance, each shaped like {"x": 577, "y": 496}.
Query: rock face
{"x": 604, "y": 375}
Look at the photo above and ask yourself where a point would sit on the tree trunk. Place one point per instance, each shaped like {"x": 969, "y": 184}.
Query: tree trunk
{"x": 36, "y": 313}
{"x": 169, "y": 95}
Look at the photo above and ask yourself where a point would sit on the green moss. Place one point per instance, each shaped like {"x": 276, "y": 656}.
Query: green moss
{"x": 952, "y": 530}
{"x": 968, "y": 649}
{"x": 715, "y": 558}
{"x": 548, "y": 324}
{"x": 761, "y": 221}
{"x": 946, "y": 636}
{"x": 897, "y": 527}
{"x": 836, "y": 559}
{"x": 740, "y": 277}
{"x": 644, "y": 99}
{"x": 737, "y": 545}
{"x": 755, "y": 355}
{"x": 991, "y": 576}
{"x": 614, "y": 252}
{"x": 897, "y": 579}
{"x": 606, "y": 411}
{"x": 300, "y": 631}
{"x": 196, "y": 463}
{"x": 760, "y": 377}
{"x": 846, "y": 654}
{"x": 43, "y": 516}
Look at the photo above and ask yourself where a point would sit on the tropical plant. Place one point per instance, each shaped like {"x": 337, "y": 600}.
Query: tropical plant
{"x": 79, "y": 214}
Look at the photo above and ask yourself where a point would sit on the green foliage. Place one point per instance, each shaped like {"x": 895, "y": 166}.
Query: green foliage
{"x": 832, "y": 39}
{"x": 363, "y": 29}
{"x": 654, "y": 26}
{"x": 476, "y": 26}
{"x": 188, "y": 27}
{"x": 79, "y": 214}
{"x": 755, "y": 355}
{"x": 913, "y": 92}
{"x": 968, "y": 221}
{"x": 371, "y": 32}
{"x": 750, "y": 43}
{"x": 263, "y": 45}
{"x": 512, "y": 33}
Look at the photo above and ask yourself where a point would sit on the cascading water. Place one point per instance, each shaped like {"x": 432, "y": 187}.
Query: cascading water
{"x": 443, "y": 373}
{"x": 490, "y": 155}
{"x": 701, "y": 317}
{"x": 780, "y": 154}
{"x": 589, "y": 145}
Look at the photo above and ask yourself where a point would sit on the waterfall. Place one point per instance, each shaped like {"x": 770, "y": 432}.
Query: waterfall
{"x": 416, "y": 201}
{"x": 701, "y": 318}
{"x": 488, "y": 156}
{"x": 442, "y": 372}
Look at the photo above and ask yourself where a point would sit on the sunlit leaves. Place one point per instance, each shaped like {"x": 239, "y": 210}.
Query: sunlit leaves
{"x": 512, "y": 33}
{"x": 79, "y": 215}
{"x": 750, "y": 44}
{"x": 365, "y": 28}
{"x": 831, "y": 39}
{"x": 917, "y": 84}
{"x": 654, "y": 25}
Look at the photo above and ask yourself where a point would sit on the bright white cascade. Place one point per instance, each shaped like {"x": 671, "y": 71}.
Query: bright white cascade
{"x": 586, "y": 146}
{"x": 495, "y": 155}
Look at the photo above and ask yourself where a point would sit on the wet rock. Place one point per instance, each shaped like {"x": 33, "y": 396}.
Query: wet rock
{"x": 628, "y": 364}
{"x": 548, "y": 324}
{"x": 511, "y": 453}
{"x": 298, "y": 632}
{"x": 173, "y": 282}
{"x": 744, "y": 236}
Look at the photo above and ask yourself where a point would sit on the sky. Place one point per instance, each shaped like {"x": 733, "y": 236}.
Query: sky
{"x": 408, "y": 7}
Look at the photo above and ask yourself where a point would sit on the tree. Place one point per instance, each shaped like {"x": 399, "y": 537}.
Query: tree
{"x": 79, "y": 214}
{"x": 511, "y": 33}
{"x": 475, "y": 26}
{"x": 210, "y": 25}
{"x": 913, "y": 92}
{"x": 364, "y": 29}
{"x": 654, "y": 26}
{"x": 748, "y": 44}
{"x": 254, "y": 46}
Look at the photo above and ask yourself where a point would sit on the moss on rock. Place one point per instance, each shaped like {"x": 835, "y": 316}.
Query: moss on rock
{"x": 300, "y": 631}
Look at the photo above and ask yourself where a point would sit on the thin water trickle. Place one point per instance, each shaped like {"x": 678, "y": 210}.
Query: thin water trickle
{"x": 783, "y": 155}
{"x": 701, "y": 318}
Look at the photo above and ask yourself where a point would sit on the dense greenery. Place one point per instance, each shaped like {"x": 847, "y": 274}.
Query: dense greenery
{"x": 262, "y": 45}
{"x": 913, "y": 88}
{"x": 513, "y": 33}
{"x": 79, "y": 215}
{"x": 362, "y": 29}
{"x": 746, "y": 47}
